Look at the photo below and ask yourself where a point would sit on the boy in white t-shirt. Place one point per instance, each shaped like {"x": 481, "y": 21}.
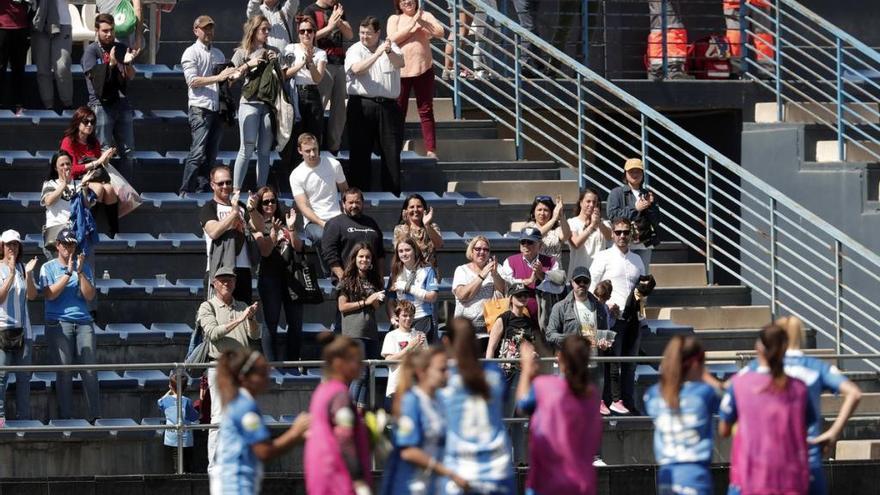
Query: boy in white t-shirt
{"x": 398, "y": 343}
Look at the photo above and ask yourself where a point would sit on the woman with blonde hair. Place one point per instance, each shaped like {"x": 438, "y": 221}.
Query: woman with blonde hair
{"x": 476, "y": 282}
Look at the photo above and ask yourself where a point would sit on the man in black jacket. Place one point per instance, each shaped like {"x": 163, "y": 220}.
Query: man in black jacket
{"x": 342, "y": 232}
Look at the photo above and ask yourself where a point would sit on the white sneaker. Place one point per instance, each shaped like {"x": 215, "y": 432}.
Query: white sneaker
{"x": 598, "y": 462}
{"x": 482, "y": 75}
{"x": 617, "y": 407}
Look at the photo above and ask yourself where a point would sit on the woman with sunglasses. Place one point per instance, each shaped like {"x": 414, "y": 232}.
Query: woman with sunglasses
{"x": 417, "y": 223}
{"x": 277, "y": 241}
{"x": 412, "y": 29}
{"x": 549, "y": 217}
{"x": 305, "y": 69}
{"x": 476, "y": 282}
{"x": 80, "y": 141}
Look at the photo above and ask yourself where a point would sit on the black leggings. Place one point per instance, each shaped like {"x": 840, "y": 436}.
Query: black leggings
{"x": 14, "y": 44}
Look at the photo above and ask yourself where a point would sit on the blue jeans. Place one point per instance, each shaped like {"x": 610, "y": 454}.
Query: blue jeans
{"x": 21, "y": 357}
{"x": 73, "y": 343}
{"x": 255, "y": 125}
{"x": 207, "y": 132}
{"x": 314, "y": 233}
{"x": 115, "y": 126}
{"x": 274, "y": 296}
{"x": 360, "y": 387}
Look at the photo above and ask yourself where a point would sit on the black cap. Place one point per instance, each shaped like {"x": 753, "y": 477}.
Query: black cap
{"x": 65, "y": 236}
{"x": 519, "y": 288}
{"x": 530, "y": 234}
{"x": 580, "y": 272}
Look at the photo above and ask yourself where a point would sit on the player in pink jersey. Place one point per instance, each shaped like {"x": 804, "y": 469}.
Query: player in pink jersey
{"x": 771, "y": 412}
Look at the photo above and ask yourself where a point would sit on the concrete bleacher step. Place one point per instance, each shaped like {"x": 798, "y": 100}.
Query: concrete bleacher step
{"x": 712, "y": 318}
{"x": 810, "y": 113}
{"x": 860, "y": 151}
{"x": 444, "y": 110}
{"x": 472, "y": 150}
{"x": 857, "y": 450}
{"x": 518, "y": 191}
{"x": 868, "y": 406}
{"x": 679, "y": 274}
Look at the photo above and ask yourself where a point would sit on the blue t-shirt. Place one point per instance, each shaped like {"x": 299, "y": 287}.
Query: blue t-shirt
{"x": 819, "y": 377}
{"x": 70, "y": 305}
{"x": 168, "y": 405}
{"x": 421, "y": 425}
{"x": 238, "y": 469}
{"x": 685, "y": 435}
{"x": 477, "y": 447}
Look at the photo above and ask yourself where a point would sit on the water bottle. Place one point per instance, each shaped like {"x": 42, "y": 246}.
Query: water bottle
{"x": 106, "y": 275}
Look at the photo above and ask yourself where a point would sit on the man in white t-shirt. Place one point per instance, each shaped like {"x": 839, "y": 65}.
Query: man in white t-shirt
{"x": 314, "y": 184}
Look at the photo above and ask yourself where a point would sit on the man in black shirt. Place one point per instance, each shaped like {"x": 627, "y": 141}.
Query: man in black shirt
{"x": 333, "y": 30}
{"x": 342, "y": 232}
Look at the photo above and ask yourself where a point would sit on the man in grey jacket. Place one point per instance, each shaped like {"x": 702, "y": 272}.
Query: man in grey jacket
{"x": 580, "y": 313}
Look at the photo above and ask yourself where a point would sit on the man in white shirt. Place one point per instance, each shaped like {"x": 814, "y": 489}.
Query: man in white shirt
{"x": 372, "y": 72}
{"x": 314, "y": 184}
{"x": 203, "y": 90}
{"x": 623, "y": 268}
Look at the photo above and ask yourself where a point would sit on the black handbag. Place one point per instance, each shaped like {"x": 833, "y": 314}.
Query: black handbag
{"x": 302, "y": 280}
{"x": 12, "y": 339}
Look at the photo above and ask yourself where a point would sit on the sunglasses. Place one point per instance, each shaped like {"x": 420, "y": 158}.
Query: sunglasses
{"x": 225, "y": 183}
{"x": 582, "y": 281}
{"x": 526, "y": 242}
{"x": 306, "y": 31}
{"x": 88, "y": 122}
{"x": 521, "y": 295}
{"x": 481, "y": 249}
{"x": 621, "y": 232}
{"x": 267, "y": 202}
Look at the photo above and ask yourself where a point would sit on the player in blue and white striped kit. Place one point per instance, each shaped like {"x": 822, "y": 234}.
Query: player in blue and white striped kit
{"x": 819, "y": 377}
{"x": 682, "y": 406}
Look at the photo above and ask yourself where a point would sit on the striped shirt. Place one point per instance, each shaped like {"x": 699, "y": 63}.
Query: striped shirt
{"x": 13, "y": 311}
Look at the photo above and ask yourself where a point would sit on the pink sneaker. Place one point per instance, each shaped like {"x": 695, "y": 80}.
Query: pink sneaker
{"x": 617, "y": 407}
{"x": 603, "y": 409}
{"x": 2, "y": 422}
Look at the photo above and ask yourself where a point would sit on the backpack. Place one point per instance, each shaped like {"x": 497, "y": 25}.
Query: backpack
{"x": 709, "y": 57}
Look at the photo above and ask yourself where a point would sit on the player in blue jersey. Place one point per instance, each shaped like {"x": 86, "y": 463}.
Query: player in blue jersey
{"x": 477, "y": 447}
{"x": 682, "y": 406}
{"x": 244, "y": 441}
{"x": 819, "y": 377}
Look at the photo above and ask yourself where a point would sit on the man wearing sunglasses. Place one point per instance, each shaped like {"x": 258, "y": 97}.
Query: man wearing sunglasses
{"x": 623, "y": 268}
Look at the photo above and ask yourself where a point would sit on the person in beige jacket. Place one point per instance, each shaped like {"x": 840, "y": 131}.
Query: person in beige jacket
{"x": 227, "y": 325}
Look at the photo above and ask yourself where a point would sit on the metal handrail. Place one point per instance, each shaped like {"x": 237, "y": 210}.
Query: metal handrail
{"x": 748, "y": 231}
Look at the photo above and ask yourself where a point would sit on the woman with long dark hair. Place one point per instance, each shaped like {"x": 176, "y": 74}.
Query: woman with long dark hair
{"x": 80, "y": 141}
{"x": 277, "y": 241}
{"x": 56, "y": 194}
{"x": 417, "y": 222}
{"x": 589, "y": 234}
{"x": 772, "y": 412}
{"x": 360, "y": 295}
{"x": 548, "y": 216}
{"x": 245, "y": 442}
{"x": 682, "y": 406}
{"x": 414, "y": 280}
{"x": 477, "y": 446}
{"x": 337, "y": 453}
{"x": 419, "y": 426}
{"x": 565, "y": 427}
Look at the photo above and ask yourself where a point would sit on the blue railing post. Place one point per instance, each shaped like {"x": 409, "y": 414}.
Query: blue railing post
{"x": 773, "y": 313}
{"x": 517, "y": 80}
{"x": 838, "y": 283}
{"x": 178, "y": 375}
{"x": 777, "y": 54}
{"x": 663, "y": 27}
{"x": 838, "y": 58}
{"x": 585, "y": 30}
{"x": 710, "y": 267}
{"x": 743, "y": 37}
{"x": 456, "y": 89}
{"x": 582, "y": 182}
{"x": 644, "y": 129}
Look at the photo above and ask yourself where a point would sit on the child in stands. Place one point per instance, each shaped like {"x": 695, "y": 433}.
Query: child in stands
{"x": 682, "y": 406}
{"x": 398, "y": 343}
{"x": 771, "y": 411}
{"x": 565, "y": 429}
{"x": 168, "y": 405}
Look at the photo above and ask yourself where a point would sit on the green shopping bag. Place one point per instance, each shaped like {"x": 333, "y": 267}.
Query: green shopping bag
{"x": 125, "y": 19}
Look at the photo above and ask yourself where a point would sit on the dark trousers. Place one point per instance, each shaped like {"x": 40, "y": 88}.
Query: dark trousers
{"x": 620, "y": 377}
{"x": 426, "y": 325}
{"x": 311, "y": 110}
{"x": 243, "y": 291}
{"x": 14, "y": 44}
{"x": 274, "y": 296}
{"x": 207, "y": 131}
{"x": 526, "y": 13}
{"x": 373, "y": 121}
{"x": 187, "y": 459}
{"x": 360, "y": 387}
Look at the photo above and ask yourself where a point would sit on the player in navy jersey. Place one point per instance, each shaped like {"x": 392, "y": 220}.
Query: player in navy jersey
{"x": 244, "y": 441}
{"x": 682, "y": 406}
{"x": 819, "y": 377}
{"x": 477, "y": 447}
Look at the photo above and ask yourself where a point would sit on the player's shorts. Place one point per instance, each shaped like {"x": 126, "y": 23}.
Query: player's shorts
{"x": 684, "y": 479}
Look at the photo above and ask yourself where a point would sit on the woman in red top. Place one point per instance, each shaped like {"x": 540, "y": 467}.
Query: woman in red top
{"x": 82, "y": 144}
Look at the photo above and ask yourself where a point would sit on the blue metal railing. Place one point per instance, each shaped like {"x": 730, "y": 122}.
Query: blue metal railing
{"x": 822, "y": 73}
{"x": 748, "y": 232}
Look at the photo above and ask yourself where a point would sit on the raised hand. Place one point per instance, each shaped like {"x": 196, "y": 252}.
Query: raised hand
{"x": 291, "y": 219}
{"x": 80, "y": 263}
{"x": 558, "y": 209}
{"x": 251, "y": 310}
{"x": 30, "y": 265}
{"x": 112, "y": 62}
{"x": 595, "y": 218}
{"x": 129, "y": 56}
{"x": 428, "y": 217}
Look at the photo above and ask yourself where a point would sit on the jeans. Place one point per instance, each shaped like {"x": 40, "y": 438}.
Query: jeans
{"x": 51, "y": 54}
{"x": 207, "y": 132}
{"x": 115, "y": 127}
{"x": 423, "y": 85}
{"x": 314, "y": 233}
{"x": 255, "y": 125}
{"x": 274, "y": 296}
{"x": 645, "y": 255}
{"x": 332, "y": 89}
{"x": 14, "y": 45}
{"x": 21, "y": 357}
{"x": 74, "y": 343}
{"x": 620, "y": 377}
{"x": 360, "y": 387}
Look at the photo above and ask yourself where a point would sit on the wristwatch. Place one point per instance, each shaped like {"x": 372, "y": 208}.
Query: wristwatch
{"x": 69, "y": 273}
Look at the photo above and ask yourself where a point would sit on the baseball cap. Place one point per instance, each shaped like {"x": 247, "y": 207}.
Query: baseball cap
{"x": 580, "y": 272}
{"x": 530, "y": 234}
{"x": 519, "y": 288}
{"x": 10, "y": 236}
{"x": 224, "y": 271}
{"x": 202, "y": 21}
{"x": 633, "y": 163}
{"x": 65, "y": 236}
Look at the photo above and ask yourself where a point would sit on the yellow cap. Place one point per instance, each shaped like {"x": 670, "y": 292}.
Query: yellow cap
{"x": 202, "y": 21}
{"x": 632, "y": 163}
